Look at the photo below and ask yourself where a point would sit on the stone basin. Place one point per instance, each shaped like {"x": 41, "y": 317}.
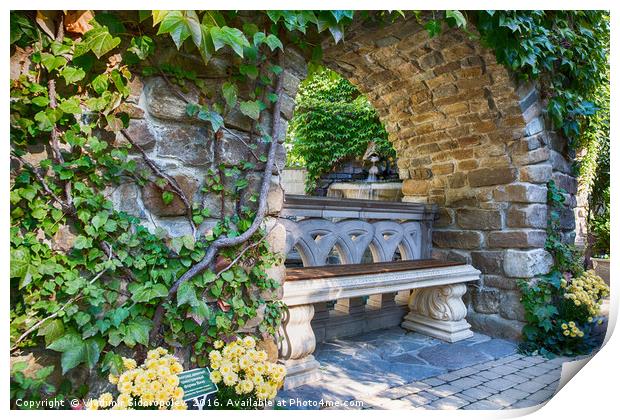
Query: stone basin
{"x": 384, "y": 191}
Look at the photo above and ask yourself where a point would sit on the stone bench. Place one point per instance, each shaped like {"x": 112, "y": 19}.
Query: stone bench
{"x": 435, "y": 305}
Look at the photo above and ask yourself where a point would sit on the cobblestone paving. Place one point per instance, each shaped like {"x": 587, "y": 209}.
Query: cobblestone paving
{"x": 395, "y": 369}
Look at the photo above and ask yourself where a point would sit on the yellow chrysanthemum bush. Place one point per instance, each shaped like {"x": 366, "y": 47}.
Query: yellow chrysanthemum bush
{"x": 561, "y": 307}
{"x": 243, "y": 372}
{"x": 154, "y": 385}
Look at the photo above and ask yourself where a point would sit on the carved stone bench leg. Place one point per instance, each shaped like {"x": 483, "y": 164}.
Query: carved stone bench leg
{"x": 296, "y": 345}
{"x": 439, "y": 312}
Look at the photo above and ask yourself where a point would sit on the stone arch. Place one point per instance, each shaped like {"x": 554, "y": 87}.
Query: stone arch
{"x": 470, "y": 139}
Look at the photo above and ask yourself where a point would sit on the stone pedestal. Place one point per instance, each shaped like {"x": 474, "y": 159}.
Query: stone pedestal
{"x": 439, "y": 312}
{"x": 296, "y": 343}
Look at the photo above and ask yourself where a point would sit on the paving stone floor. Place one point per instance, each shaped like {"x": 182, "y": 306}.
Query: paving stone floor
{"x": 397, "y": 369}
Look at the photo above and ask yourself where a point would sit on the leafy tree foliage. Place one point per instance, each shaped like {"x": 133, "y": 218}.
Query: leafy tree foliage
{"x": 333, "y": 121}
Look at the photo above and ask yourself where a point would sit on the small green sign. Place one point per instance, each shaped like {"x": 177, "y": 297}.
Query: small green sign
{"x": 196, "y": 383}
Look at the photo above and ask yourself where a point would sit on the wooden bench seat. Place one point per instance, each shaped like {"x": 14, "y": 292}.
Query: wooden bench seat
{"x": 435, "y": 305}
{"x": 326, "y": 271}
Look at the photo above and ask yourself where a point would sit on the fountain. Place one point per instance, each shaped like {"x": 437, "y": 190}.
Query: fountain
{"x": 372, "y": 188}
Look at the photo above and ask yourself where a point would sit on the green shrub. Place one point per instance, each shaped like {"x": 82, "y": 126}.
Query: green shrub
{"x": 333, "y": 121}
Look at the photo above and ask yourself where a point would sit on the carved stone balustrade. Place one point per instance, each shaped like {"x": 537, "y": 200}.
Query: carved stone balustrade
{"x": 317, "y": 226}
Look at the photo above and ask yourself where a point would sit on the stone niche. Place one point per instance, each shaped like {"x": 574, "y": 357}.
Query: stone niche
{"x": 472, "y": 140}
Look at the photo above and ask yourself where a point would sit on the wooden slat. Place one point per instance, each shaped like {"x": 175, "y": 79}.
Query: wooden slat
{"x": 325, "y": 271}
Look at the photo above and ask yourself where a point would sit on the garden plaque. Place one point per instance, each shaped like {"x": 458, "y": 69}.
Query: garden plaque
{"x": 197, "y": 385}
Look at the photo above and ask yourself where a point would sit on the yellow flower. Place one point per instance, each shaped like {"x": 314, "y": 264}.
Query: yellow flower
{"x": 226, "y": 367}
{"x": 230, "y": 378}
{"x": 178, "y": 393}
{"x": 215, "y": 376}
{"x": 172, "y": 380}
{"x": 105, "y": 400}
{"x": 162, "y": 351}
{"x": 113, "y": 379}
{"x": 589, "y": 319}
{"x": 599, "y": 322}
{"x": 162, "y": 397}
{"x": 147, "y": 398}
{"x": 124, "y": 400}
{"x": 124, "y": 387}
{"x": 152, "y": 355}
{"x": 564, "y": 326}
{"x": 141, "y": 379}
{"x": 218, "y": 344}
{"x": 176, "y": 367}
{"x": 249, "y": 342}
{"x": 566, "y": 332}
{"x": 129, "y": 363}
{"x": 246, "y": 386}
{"x": 571, "y": 324}
{"x": 155, "y": 386}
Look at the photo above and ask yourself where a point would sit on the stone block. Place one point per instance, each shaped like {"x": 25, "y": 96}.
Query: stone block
{"x": 510, "y": 306}
{"x": 191, "y": 144}
{"x": 521, "y": 193}
{"x": 444, "y": 217}
{"x": 527, "y": 264}
{"x": 457, "y": 239}
{"x": 491, "y": 176}
{"x": 126, "y": 197}
{"x": 163, "y": 101}
{"x": 566, "y": 182}
{"x": 415, "y": 187}
{"x": 495, "y": 325}
{"x": 536, "y": 174}
{"x": 488, "y": 262}
{"x": 479, "y": 219}
{"x": 152, "y": 197}
{"x": 140, "y": 133}
{"x": 485, "y": 301}
{"x": 517, "y": 239}
{"x": 499, "y": 282}
{"x": 527, "y": 216}
{"x": 534, "y": 156}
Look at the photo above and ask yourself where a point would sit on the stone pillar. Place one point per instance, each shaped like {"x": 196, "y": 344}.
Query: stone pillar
{"x": 439, "y": 312}
{"x": 296, "y": 343}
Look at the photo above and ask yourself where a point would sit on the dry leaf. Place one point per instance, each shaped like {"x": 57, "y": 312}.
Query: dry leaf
{"x": 76, "y": 21}
{"x": 46, "y": 19}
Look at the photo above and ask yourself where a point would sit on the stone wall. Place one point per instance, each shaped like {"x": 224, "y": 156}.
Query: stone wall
{"x": 472, "y": 140}
{"x": 186, "y": 149}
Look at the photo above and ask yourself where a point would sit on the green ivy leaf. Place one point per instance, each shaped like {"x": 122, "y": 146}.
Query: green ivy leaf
{"x": 71, "y": 106}
{"x": 167, "y": 197}
{"x": 181, "y": 25}
{"x": 148, "y": 292}
{"x": 232, "y": 37}
{"x": 458, "y": 18}
{"x": 51, "y": 62}
{"x": 41, "y": 101}
{"x": 229, "y": 91}
{"x": 213, "y": 117}
{"x": 100, "y": 83}
{"x": 72, "y": 74}
{"x": 251, "y": 109}
{"x": 187, "y": 294}
{"x": 51, "y": 330}
{"x": 99, "y": 41}
{"x": 82, "y": 242}
{"x": 249, "y": 70}
{"x": 274, "y": 42}
{"x": 433, "y": 27}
